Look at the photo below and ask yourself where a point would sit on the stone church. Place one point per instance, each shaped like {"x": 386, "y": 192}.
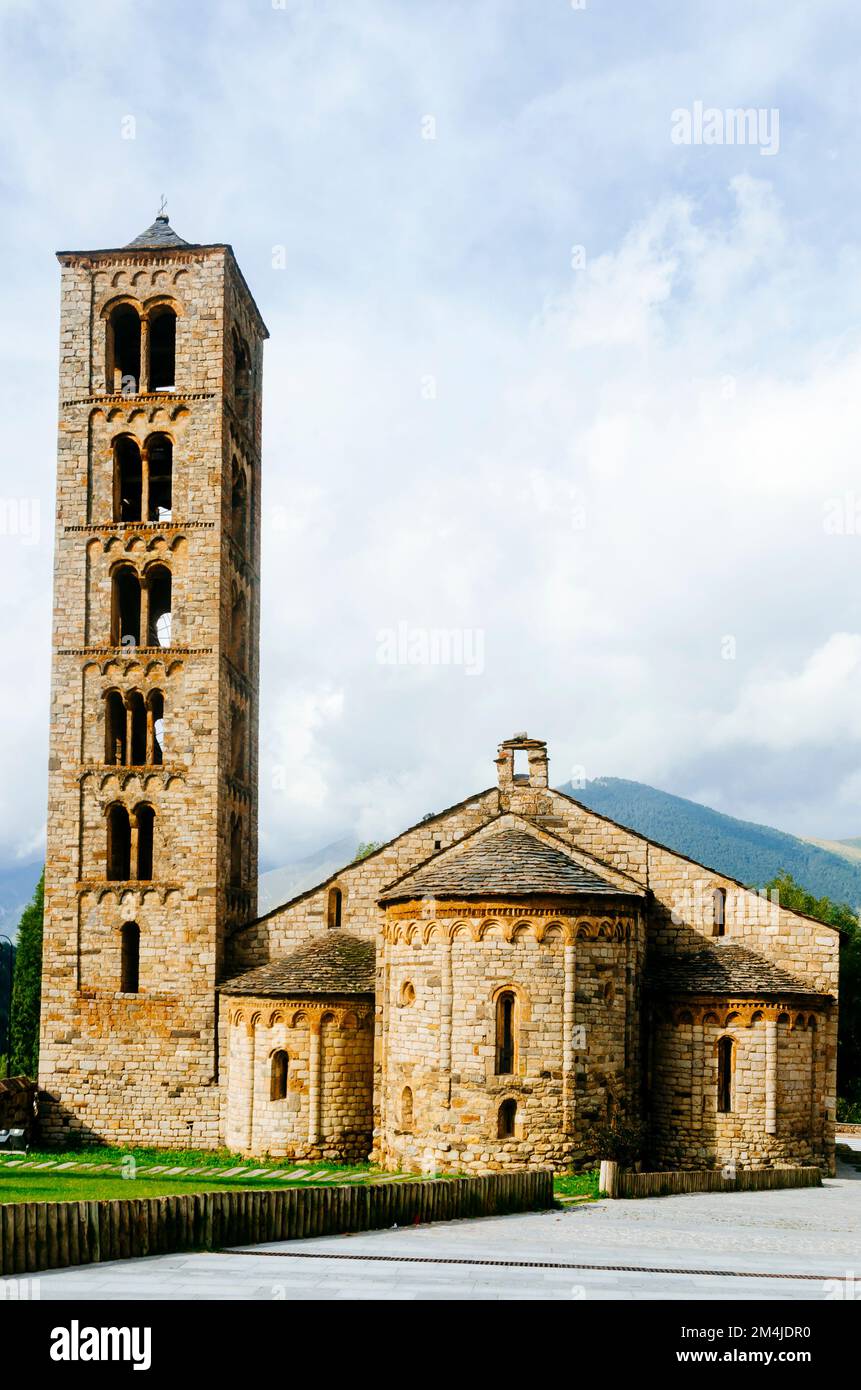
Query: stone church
{"x": 483, "y": 992}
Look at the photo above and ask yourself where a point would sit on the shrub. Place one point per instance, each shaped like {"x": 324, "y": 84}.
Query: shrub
{"x": 620, "y": 1141}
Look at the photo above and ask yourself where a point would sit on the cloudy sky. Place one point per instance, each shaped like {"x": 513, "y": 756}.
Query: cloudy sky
{"x": 540, "y": 376}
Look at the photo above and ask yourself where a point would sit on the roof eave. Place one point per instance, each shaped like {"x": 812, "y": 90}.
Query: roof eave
{"x": 110, "y": 251}
{"x": 533, "y": 896}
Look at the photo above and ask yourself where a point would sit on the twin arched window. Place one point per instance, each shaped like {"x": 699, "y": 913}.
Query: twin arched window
{"x": 143, "y": 478}
{"x": 129, "y": 842}
{"x": 134, "y": 728}
{"x": 141, "y": 609}
{"x": 140, "y": 348}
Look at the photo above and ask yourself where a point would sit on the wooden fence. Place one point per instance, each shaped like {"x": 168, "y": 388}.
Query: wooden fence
{"x": 745, "y": 1180}
{"x": 53, "y": 1235}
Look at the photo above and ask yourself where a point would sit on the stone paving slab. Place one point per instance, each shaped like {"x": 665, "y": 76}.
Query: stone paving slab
{"x": 791, "y": 1231}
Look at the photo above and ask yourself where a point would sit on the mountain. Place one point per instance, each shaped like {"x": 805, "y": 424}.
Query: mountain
{"x": 741, "y": 849}
{"x": 278, "y": 886}
{"x": 17, "y": 885}
{"x": 846, "y": 849}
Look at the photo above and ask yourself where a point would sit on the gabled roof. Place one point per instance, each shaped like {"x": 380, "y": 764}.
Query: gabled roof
{"x": 159, "y": 235}
{"x": 335, "y": 962}
{"x": 437, "y": 818}
{"x": 507, "y": 862}
{"x": 722, "y": 969}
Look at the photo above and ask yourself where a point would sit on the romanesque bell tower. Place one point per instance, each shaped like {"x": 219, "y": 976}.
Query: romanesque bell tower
{"x": 152, "y": 811}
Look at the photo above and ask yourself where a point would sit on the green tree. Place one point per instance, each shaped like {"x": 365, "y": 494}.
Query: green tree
{"x": 27, "y": 987}
{"x": 842, "y": 916}
{"x": 364, "y": 850}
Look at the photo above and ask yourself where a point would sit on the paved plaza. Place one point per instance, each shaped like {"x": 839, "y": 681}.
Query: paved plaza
{"x": 697, "y": 1246}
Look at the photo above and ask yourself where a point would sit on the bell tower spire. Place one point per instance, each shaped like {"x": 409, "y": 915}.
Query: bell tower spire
{"x": 152, "y": 814}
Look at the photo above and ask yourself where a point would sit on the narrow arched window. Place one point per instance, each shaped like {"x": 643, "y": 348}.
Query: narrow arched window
{"x": 238, "y": 627}
{"x": 407, "y": 1110}
{"x": 145, "y": 821}
{"x": 136, "y": 706}
{"x": 159, "y": 455}
{"x": 239, "y": 506}
{"x": 128, "y": 479}
{"x": 724, "y": 1077}
{"x": 125, "y": 607}
{"x": 241, "y": 376}
{"x": 119, "y": 845}
{"x": 115, "y": 729}
{"x": 506, "y": 1119}
{"x": 124, "y": 350}
{"x": 159, "y": 586}
{"x": 236, "y": 852}
{"x": 278, "y": 1076}
{"x": 155, "y": 728}
{"x": 505, "y": 1033}
{"x": 162, "y": 349}
{"x": 334, "y": 908}
{"x": 719, "y": 911}
{"x": 130, "y": 958}
{"x": 238, "y": 729}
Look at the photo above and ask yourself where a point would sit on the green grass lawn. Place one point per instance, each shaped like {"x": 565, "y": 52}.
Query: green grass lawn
{"x": 187, "y": 1158}
{"x": 66, "y": 1187}
{"x": 576, "y": 1185}
{"x": 26, "y": 1184}
{"x": 19, "y": 1184}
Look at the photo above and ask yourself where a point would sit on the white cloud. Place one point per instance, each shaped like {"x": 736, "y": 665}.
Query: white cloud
{"x": 620, "y": 465}
{"x": 818, "y": 704}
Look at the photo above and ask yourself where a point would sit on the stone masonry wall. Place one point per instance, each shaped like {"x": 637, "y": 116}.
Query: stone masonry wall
{"x": 326, "y": 1113}
{"x": 437, "y": 1036}
{"x": 680, "y": 917}
{"x": 774, "y": 1121}
{"x": 361, "y": 884}
{"x": 143, "y": 1067}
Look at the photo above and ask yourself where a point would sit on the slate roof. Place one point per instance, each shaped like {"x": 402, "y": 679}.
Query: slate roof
{"x": 724, "y": 969}
{"x": 510, "y": 863}
{"x": 336, "y": 962}
{"x": 159, "y": 235}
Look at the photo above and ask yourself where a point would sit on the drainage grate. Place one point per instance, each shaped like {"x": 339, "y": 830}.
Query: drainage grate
{"x": 525, "y": 1264}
